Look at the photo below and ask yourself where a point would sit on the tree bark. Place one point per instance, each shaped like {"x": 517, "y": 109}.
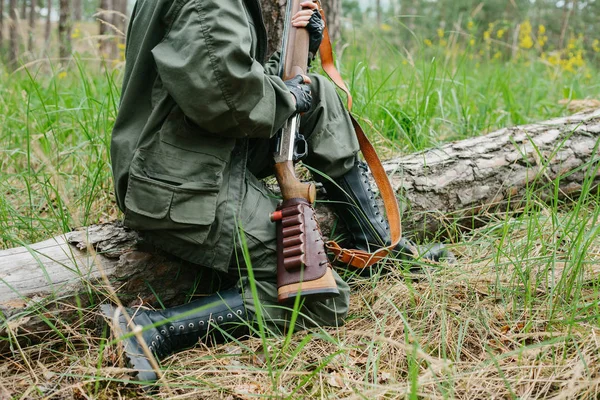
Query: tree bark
{"x": 24, "y": 9}
{"x": 1, "y": 25}
{"x": 48, "y": 25}
{"x": 460, "y": 181}
{"x": 13, "y": 37}
{"x": 77, "y": 10}
{"x": 64, "y": 29}
{"x": 32, "y": 18}
{"x": 333, "y": 14}
{"x": 274, "y": 15}
{"x": 104, "y": 18}
{"x": 119, "y": 22}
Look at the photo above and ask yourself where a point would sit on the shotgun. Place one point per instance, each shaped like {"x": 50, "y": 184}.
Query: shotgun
{"x": 303, "y": 268}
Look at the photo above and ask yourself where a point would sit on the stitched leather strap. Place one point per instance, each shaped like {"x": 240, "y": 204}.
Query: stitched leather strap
{"x": 354, "y": 257}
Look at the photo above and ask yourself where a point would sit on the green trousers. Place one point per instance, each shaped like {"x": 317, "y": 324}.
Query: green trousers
{"x": 332, "y": 149}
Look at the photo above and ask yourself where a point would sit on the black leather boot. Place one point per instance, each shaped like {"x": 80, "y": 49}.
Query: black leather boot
{"x": 354, "y": 202}
{"x": 174, "y": 329}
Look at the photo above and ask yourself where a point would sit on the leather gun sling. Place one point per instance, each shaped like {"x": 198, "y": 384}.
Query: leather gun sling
{"x": 354, "y": 257}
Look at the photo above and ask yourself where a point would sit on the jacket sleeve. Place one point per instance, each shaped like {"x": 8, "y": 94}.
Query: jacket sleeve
{"x": 205, "y": 64}
{"x": 272, "y": 66}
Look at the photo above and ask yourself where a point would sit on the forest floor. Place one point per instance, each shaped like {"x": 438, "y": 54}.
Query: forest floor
{"x": 516, "y": 317}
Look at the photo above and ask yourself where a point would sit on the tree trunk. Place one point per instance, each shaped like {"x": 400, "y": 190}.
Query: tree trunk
{"x": 273, "y": 15}
{"x": 32, "y": 18}
{"x": 333, "y": 13}
{"x": 77, "y": 10}
{"x": 104, "y": 18}
{"x": 460, "y": 181}
{"x": 122, "y": 17}
{"x": 13, "y": 37}
{"x": 64, "y": 29}
{"x": 48, "y": 29}
{"x": 1, "y": 25}
{"x": 565, "y": 23}
{"x": 119, "y": 23}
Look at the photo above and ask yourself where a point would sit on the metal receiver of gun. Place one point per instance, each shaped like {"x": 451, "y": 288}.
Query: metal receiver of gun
{"x": 291, "y": 145}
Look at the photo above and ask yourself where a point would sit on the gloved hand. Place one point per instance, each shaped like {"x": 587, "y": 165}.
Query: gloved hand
{"x": 310, "y": 18}
{"x": 298, "y": 85}
{"x": 315, "y": 28}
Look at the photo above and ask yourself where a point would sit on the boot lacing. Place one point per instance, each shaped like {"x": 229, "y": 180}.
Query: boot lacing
{"x": 364, "y": 169}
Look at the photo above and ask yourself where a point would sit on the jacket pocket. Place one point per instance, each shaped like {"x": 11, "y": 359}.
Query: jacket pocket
{"x": 173, "y": 191}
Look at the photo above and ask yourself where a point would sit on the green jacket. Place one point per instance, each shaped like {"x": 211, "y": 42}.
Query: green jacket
{"x": 195, "y": 89}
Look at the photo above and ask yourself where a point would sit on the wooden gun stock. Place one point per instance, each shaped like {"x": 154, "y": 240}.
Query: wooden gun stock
{"x": 298, "y": 236}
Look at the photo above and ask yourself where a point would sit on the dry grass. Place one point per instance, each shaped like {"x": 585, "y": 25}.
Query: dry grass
{"x": 466, "y": 331}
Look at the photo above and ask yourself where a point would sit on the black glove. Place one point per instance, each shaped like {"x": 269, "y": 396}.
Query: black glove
{"x": 315, "y": 29}
{"x": 301, "y": 92}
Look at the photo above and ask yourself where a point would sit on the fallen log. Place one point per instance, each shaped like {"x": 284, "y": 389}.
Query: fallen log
{"x": 460, "y": 181}
{"x": 42, "y": 282}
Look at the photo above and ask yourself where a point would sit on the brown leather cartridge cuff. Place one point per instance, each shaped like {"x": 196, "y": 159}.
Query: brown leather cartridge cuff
{"x": 301, "y": 254}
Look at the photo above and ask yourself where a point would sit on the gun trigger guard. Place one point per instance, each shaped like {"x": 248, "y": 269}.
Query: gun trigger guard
{"x": 300, "y": 148}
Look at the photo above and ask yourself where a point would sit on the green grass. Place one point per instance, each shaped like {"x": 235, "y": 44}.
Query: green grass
{"x": 518, "y": 316}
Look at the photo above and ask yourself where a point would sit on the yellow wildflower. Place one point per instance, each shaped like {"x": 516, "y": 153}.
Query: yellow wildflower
{"x": 440, "y": 33}
{"x": 472, "y": 42}
{"x": 554, "y": 58}
{"x": 62, "y": 75}
{"x": 596, "y": 45}
{"x": 427, "y": 42}
{"x": 541, "y": 30}
{"x": 385, "y": 27}
{"x": 525, "y": 41}
{"x": 76, "y": 33}
{"x": 470, "y": 25}
{"x": 500, "y": 33}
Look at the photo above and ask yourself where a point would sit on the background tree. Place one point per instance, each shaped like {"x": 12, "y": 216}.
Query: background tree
{"x": 119, "y": 26}
{"x": 64, "y": 29}
{"x": 24, "y": 9}
{"x": 77, "y": 10}
{"x": 333, "y": 14}
{"x": 48, "y": 29}
{"x": 1, "y": 24}
{"x": 14, "y": 40}
{"x": 104, "y": 29}
{"x": 32, "y": 19}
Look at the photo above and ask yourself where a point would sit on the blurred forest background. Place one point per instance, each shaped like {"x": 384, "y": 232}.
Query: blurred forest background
{"x": 563, "y": 32}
